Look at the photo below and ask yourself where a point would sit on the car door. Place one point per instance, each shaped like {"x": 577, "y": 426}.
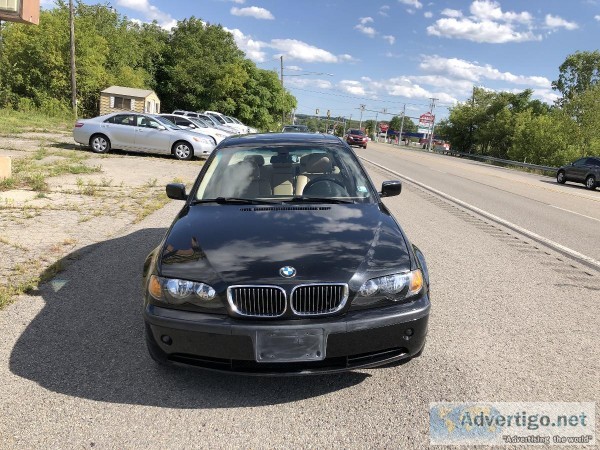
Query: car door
{"x": 120, "y": 131}
{"x": 151, "y": 136}
{"x": 578, "y": 170}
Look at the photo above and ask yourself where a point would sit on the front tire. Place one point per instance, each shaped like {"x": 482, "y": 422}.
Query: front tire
{"x": 560, "y": 177}
{"x": 590, "y": 182}
{"x": 183, "y": 151}
{"x": 100, "y": 143}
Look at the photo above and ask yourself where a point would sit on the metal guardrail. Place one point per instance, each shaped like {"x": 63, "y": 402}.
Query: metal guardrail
{"x": 508, "y": 162}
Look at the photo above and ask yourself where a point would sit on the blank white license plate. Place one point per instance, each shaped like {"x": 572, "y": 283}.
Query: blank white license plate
{"x": 290, "y": 345}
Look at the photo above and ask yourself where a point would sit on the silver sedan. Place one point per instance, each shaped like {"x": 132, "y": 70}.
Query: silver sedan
{"x": 141, "y": 132}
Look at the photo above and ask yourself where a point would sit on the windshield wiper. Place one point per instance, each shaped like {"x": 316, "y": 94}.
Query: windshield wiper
{"x": 302, "y": 199}
{"x": 235, "y": 200}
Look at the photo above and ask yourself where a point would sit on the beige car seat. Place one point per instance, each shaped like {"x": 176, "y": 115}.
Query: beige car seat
{"x": 283, "y": 173}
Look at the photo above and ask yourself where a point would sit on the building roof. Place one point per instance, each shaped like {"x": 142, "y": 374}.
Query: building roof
{"x": 129, "y": 92}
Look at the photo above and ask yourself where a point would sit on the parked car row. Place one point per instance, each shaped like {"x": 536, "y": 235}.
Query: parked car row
{"x": 184, "y": 134}
{"x": 226, "y": 122}
{"x": 150, "y": 133}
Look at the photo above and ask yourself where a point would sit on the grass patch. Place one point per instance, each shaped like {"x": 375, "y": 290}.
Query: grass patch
{"x": 10, "y": 292}
{"x": 32, "y": 173}
{"x": 151, "y": 205}
{"x": 16, "y": 122}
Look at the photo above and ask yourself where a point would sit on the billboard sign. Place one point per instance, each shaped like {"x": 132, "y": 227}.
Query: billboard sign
{"x": 426, "y": 118}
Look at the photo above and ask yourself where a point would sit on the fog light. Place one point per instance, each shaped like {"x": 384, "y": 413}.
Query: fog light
{"x": 166, "y": 339}
{"x": 409, "y": 332}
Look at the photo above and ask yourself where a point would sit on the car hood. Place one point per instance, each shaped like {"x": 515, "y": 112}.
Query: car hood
{"x": 232, "y": 244}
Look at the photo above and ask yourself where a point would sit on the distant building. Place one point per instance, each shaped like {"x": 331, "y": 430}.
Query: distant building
{"x": 24, "y": 11}
{"x": 119, "y": 98}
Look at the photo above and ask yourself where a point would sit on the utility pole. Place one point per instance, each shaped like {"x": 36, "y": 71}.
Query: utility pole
{"x": 402, "y": 123}
{"x": 431, "y": 108}
{"x": 362, "y": 108}
{"x": 282, "y": 94}
{"x": 349, "y": 123}
{"x": 386, "y": 130}
{"x": 73, "y": 81}
{"x": 375, "y": 135}
{"x": 471, "y": 125}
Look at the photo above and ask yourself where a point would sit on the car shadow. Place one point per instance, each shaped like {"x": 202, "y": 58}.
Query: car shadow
{"x": 88, "y": 341}
{"x": 117, "y": 152}
{"x": 568, "y": 184}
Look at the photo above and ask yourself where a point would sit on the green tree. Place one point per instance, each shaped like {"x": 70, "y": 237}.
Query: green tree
{"x": 579, "y": 72}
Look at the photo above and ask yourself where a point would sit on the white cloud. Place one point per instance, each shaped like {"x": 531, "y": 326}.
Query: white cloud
{"x": 150, "y": 12}
{"x": 460, "y": 69}
{"x": 302, "y": 51}
{"x": 252, "y": 47}
{"x": 484, "y": 31}
{"x": 383, "y": 11}
{"x": 490, "y": 10}
{"x": 487, "y": 23}
{"x": 352, "y": 87}
{"x": 414, "y": 3}
{"x": 451, "y": 13}
{"x": 308, "y": 83}
{"x": 559, "y": 22}
{"x": 369, "y": 31}
{"x": 428, "y": 14}
{"x": 239, "y": 2}
{"x": 597, "y": 18}
{"x": 365, "y": 20}
{"x": 253, "y": 11}
{"x": 390, "y": 39}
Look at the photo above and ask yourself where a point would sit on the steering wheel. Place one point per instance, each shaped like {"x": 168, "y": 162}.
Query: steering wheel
{"x": 330, "y": 187}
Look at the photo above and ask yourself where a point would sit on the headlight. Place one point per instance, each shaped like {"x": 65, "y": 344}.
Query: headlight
{"x": 203, "y": 140}
{"x": 396, "y": 287}
{"x": 177, "y": 292}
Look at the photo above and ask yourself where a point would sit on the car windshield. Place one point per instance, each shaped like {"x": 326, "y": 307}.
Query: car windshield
{"x": 218, "y": 118}
{"x": 166, "y": 122}
{"x": 208, "y": 119}
{"x": 288, "y": 173}
{"x": 357, "y": 132}
{"x": 201, "y": 123}
{"x": 228, "y": 119}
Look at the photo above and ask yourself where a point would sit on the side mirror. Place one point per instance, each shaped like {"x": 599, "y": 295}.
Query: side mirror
{"x": 391, "y": 188}
{"x": 176, "y": 191}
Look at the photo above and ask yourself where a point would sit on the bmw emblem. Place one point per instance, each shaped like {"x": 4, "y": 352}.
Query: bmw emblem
{"x": 287, "y": 272}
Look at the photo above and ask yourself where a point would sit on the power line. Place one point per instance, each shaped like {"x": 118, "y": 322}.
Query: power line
{"x": 354, "y": 97}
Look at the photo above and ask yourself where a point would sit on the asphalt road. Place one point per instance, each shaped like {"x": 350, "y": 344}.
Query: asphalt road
{"x": 510, "y": 322}
{"x": 567, "y": 214}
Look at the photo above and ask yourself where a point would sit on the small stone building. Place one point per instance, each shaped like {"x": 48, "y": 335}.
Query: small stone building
{"x": 119, "y": 98}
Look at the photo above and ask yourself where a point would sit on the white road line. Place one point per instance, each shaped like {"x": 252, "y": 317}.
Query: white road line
{"x": 530, "y": 234}
{"x": 573, "y": 212}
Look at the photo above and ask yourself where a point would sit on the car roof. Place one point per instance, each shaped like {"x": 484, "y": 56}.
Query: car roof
{"x": 268, "y": 139}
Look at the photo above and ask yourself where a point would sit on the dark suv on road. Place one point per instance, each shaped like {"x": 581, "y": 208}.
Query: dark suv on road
{"x": 584, "y": 170}
{"x": 356, "y": 137}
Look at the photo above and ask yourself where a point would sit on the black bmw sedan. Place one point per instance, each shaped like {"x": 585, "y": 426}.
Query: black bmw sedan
{"x": 284, "y": 260}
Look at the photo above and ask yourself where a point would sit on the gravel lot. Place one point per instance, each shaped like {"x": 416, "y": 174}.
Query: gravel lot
{"x": 506, "y": 326}
{"x": 74, "y": 210}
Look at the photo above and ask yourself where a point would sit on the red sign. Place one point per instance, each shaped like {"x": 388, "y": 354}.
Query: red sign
{"x": 383, "y": 127}
{"x": 426, "y": 118}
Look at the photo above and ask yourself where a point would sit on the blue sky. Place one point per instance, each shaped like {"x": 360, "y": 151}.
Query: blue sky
{"x": 339, "y": 54}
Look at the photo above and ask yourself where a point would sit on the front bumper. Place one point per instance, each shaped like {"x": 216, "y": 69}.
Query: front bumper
{"x": 202, "y": 150}
{"x": 359, "y": 339}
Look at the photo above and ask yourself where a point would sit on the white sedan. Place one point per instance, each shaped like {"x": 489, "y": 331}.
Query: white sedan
{"x": 198, "y": 126}
{"x": 141, "y": 132}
